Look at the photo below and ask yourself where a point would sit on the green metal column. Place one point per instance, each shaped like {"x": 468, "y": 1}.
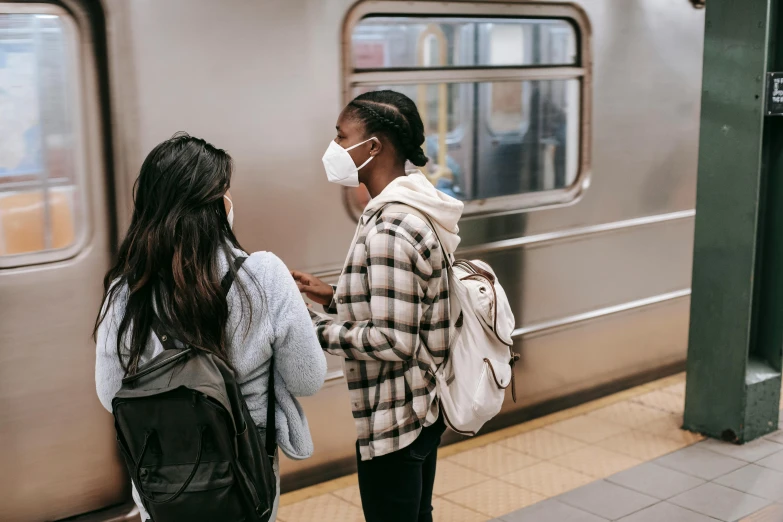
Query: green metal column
{"x": 736, "y": 330}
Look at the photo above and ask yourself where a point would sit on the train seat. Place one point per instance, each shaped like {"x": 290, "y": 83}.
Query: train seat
{"x": 22, "y": 226}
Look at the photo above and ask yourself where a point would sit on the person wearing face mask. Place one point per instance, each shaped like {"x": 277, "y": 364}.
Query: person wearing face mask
{"x": 179, "y": 247}
{"x": 391, "y": 303}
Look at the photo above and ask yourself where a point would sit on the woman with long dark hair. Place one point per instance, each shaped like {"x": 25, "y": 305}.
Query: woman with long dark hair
{"x": 392, "y": 303}
{"x": 169, "y": 268}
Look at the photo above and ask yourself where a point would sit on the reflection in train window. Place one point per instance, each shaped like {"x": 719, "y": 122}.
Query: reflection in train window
{"x": 383, "y": 42}
{"x": 509, "y": 102}
{"x": 40, "y": 156}
{"x": 501, "y": 98}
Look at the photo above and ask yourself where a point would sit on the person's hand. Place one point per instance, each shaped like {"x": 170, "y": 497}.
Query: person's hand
{"x": 313, "y": 287}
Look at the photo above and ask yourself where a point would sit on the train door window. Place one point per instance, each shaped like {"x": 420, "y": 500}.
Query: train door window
{"x": 500, "y": 88}
{"x": 41, "y": 157}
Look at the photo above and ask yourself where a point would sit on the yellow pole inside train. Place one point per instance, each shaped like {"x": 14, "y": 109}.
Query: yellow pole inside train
{"x": 434, "y": 31}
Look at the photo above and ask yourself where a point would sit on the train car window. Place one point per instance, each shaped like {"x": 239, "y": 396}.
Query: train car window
{"x": 502, "y": 97}
{"x": 41, "y": 159}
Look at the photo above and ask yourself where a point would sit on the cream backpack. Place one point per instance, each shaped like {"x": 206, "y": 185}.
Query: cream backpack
{"x": 472, "y": 380}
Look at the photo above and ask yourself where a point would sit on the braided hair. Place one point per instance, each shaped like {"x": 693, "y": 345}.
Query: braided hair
{"x": 395, "y": 116}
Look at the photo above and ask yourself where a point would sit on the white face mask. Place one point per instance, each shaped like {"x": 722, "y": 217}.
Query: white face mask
{"x": 230, "y": 216}
{"x": 339, "y": 165}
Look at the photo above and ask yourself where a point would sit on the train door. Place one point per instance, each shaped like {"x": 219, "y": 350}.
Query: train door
{"x": 56, "y": 442}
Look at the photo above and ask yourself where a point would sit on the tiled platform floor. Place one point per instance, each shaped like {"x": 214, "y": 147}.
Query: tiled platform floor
{"x": 623, "y": 457}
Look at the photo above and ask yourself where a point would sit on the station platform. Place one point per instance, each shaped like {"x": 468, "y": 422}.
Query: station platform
{"x": 620, "y": 458}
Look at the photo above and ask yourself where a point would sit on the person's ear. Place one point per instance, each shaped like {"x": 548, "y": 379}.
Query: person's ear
{"x": 375, "y": 146}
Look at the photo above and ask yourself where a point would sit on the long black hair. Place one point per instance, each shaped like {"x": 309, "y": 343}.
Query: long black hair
{"x": 170, "y": 254}
{"x": 395, "y": 116}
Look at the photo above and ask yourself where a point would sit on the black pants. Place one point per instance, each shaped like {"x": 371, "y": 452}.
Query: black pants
{"x": 397, "y": 487}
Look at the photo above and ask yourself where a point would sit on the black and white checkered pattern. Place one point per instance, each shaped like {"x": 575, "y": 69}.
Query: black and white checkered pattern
{"x": 392, "y": 312}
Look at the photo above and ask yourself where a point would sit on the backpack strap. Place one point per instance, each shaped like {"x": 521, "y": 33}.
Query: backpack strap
{"x": 228, "y": 279}
{"x": 157, "y": 326}
{"x": 271, "y": 429}
{"x": 165, "y": 339}
{"x": 407, "y": 209}
{"x": 455, "y": 310}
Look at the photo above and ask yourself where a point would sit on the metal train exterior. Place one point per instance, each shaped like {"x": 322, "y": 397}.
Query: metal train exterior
{"x": 569, "y": 128}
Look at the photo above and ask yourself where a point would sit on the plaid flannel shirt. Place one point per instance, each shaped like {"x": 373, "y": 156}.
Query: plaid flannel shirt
{"x": 392, "y": 309}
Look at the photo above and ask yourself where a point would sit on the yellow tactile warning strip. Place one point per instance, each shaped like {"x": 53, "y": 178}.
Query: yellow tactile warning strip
{"x": 493, "y": 498}
{"x": 488, "y": 476}
{"x": 324, "y": 508}
{"x": 773, "y": 513}
{"x": 548, "y": 479}
{"x": 493, "y": 460}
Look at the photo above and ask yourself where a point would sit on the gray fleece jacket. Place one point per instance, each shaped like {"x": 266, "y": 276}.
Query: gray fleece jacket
{"x": 279, "y": 324}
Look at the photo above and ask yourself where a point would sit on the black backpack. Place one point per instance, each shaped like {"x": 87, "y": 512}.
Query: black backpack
{"x": 188, "y": 439}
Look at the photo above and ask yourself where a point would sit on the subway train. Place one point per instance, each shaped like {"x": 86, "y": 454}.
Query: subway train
{"x": 568, "y": 128}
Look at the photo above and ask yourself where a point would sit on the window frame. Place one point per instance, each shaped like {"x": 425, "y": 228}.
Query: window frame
{"x": 81, "y": 159}
{"x": 581, "y": 71}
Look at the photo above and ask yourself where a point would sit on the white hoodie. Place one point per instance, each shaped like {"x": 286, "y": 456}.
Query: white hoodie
{"x": 416, "y": 191}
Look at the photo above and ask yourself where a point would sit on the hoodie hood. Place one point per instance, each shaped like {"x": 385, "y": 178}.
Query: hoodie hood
{"x": 416, "y": 191}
